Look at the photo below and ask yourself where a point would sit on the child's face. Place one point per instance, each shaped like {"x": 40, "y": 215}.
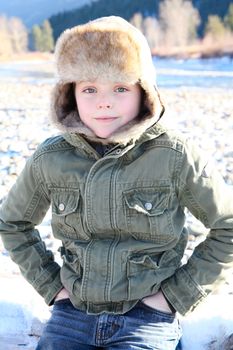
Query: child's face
{"x": 105, "y": 106}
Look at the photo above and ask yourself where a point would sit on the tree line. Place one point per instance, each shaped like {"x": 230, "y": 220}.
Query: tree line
{"x": 15, "y": 37}
{"x": 177, "y": 26}
{"x": 167, "y": 23}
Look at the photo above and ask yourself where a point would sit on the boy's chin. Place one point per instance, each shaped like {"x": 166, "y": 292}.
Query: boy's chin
{"x": 103, "y": 135}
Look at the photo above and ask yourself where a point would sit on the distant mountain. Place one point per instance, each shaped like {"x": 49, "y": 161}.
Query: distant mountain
{"x": 65, "y": 13}
{"x": 127, "y": 8}
{"x": 123, "y": 8}
{"x": 35, "y": 11}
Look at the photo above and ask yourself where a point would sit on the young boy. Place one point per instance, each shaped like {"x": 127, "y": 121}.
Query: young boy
{"x": 118, "y": 183}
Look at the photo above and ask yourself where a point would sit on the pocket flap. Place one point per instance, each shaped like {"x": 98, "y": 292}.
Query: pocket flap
{"x": 65, "y": 201}
{"x": 138, "y": 264}
{"x": 149, "y": 201}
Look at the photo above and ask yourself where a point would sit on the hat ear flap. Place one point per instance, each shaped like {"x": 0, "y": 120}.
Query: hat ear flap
{"x": 64, "y": 101}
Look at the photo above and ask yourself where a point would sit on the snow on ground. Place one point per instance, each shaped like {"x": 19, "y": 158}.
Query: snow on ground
{"x": 209, "y": 325}
{"x": 23, "y": 314}
{"x": 206, "y": 115}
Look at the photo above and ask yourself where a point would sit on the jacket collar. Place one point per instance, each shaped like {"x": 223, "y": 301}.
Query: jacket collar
{"x": 79, "y": 141}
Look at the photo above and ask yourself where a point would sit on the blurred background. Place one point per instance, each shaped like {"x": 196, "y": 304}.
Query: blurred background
{"x": 192, "y": 47}
{"x": 173, "y": 27}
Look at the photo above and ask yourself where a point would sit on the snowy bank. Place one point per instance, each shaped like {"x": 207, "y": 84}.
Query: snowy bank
{"x": 23, "y": 314}
{"x": 205, "y": 115}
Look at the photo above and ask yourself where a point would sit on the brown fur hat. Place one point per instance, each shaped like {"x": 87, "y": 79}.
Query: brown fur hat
{"x": 108, "y": 48}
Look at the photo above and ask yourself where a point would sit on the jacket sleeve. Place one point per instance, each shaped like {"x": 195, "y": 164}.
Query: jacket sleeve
{"x": 202, "y": 190}
{"x": 23, "y": 209}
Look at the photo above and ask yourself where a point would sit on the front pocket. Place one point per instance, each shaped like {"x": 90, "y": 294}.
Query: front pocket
{"x": 71, "y": 272}
{"x": 141, "y": 274}
{"x": 66, "y": 214}
{"x": 148, "y": 215}
{"x": 71, "y": 261}
{"x": 146, "y": 272}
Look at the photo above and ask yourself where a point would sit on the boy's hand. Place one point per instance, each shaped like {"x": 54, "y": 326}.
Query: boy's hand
{"x": 158, "y": 301}
{"x": 63, "y": 294}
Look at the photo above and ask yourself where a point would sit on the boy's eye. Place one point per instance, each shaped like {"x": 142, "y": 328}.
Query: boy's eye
{"x": 89, "y": 90}
{"x": 121, "y": 89}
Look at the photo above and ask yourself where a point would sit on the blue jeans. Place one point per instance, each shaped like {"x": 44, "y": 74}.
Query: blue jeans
{"x": 140, "y": 328}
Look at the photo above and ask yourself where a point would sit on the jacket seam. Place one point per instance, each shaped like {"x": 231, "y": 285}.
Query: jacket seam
{"x": 175, "y": 146}
{"x": 195, "y": 205}
{"x": 188, "y": 196}
{"x": 33, "y": 203}
{"x": 44, "y": 151}
{"x": 41, "y": 180}
{"x": 36, "y": 196}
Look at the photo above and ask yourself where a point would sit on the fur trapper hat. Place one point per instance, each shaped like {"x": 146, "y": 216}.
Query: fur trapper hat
{"x": 109, "y": 48}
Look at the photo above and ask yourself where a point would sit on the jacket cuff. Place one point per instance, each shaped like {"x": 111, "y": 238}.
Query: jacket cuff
{"x": 182, "y": 292}
{"x": 55, "y": 289}
{"x": 49, "y": 284}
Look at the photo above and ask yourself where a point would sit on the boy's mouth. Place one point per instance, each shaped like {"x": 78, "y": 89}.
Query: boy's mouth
{"x": 105, "y": 119}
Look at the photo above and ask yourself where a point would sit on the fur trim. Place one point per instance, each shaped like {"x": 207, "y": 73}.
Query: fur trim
{"x": 108, "y": 48}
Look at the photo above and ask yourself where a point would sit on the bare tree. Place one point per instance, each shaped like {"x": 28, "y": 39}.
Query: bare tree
{"x": 150, "y": 27}
{"x": 18, "y": 35}
{"x": 5, "y": 47}
{"x": 152, "y": 31}
{"x": 13, "y": 36}
{"x": 179, "y": 21}
{"x": 137, "y": 21}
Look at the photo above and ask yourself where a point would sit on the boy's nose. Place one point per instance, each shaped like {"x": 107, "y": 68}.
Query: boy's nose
{"x": 101, "y": 106}
{"x": 104, "y": 104}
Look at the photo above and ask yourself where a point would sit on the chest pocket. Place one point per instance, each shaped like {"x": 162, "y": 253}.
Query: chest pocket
{"x": 66, "y": 214}
{"x": 148, "y": 213}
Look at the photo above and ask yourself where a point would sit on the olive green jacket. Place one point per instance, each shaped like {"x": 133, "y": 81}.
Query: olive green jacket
{"x": 120, "y": 219}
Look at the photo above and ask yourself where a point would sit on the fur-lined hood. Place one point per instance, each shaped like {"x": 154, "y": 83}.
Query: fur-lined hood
{"x": 108, "y": 48}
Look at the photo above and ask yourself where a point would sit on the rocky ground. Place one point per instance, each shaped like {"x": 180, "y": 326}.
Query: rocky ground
{"x": 204, "y": 114}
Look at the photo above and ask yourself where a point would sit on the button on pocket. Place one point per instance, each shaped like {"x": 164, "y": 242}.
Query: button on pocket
{"x": 148, "y": 206}
{"x": 147, "y": 212}
{"x": 61, "y": 207}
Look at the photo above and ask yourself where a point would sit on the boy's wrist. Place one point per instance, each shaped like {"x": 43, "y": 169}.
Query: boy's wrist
{"x": 159, "y": 301}
{"x": 63, "y": 294}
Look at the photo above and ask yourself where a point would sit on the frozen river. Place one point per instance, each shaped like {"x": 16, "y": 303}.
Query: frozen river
{"x": 207, "y": 73}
